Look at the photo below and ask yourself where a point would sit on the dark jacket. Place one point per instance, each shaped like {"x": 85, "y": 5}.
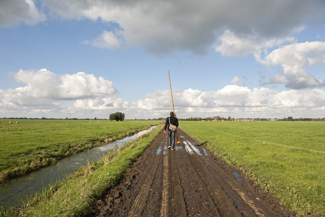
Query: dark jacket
{"x": 173, "y": 121}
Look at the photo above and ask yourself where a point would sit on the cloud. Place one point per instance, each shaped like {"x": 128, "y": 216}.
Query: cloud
{"x": 165, "y": 27}
{"x": 100, "y": 103}
{"x": 232, "y": 100}
{"x": 85, "y": 42}
{"x": 237, "y": 96}
{"x": 237, "y": 79}
{"x": 294, "y": 59}
{"x": 20, "y": 99}
{"x": 230, "y": 44}
{"x": 294, "y": 99}
{"x": 107, "y": 40}
{"x": 46, "y": 90}
{"x": 46, "y": 84}
{"x": 15, "y": 11}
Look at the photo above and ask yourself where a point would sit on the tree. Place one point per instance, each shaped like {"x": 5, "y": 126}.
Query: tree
{"x": 95, "y": 118}
{"x": 112, "y": 116}
{"x": 118, "y": 116}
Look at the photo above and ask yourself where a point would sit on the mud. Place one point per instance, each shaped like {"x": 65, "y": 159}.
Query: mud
{"x": 189, "y": 181}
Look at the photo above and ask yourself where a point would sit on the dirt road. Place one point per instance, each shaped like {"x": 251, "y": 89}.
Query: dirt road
{"x": 189, "y": 181}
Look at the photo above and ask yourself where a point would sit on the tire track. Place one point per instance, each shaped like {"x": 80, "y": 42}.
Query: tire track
{"x": 216, "y": 191}
{"x": 189, "y": 181}
{"x": 248, "y": 204}
{"x": 196, "y": 195}
{"x": 140, "y": 200}
{"x": 164, "y": 201}
{"x": 177, "y": 205}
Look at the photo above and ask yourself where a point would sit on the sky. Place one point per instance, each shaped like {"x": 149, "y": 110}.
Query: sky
{"x": 87, "y": 59}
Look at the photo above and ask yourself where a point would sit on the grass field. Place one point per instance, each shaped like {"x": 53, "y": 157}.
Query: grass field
{"x": 294, "y": 175}
{"x": 73, "y": 196}
{"x": 33, "y": 144}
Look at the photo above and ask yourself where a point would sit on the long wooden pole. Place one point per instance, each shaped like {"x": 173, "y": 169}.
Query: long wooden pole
{"x": 171, "y": 93}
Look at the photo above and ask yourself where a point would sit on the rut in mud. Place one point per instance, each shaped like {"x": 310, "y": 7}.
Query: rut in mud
{"x": 189, "y": 181}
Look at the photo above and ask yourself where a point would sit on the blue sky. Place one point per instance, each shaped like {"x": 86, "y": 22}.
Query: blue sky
{"x": 228, "y": 58}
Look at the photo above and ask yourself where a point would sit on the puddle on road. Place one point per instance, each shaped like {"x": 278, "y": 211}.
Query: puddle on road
{"x": 179, "y": 148}
{"x": 165, "y": 150}
{"x": 205, "y": 152}
{"x": 197, "y": 151}
{"x": 187, "y": 148}
{"x": 158, "y": 150}
{"x": 18, "y": 189}
{"x": 182, "y": 136}
{"x": 238, "y": 177}
{"x": 239, "y": 205}
{"x": 207, "y": 163}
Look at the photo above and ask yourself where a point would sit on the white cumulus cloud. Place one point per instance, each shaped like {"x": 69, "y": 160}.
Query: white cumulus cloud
{"x": 230, "y": 44}
{"x": 294, "y": 98}
{"x": 46, "y": 84}
{"x": 107, "y": 40}
{"x": 242, "y": 79}
{"x": 237, "y": 96}
{"x": 232, "y": 100}
{"x": 46, "y": 90}
{"x": 100, "y": 103}
{"x": 294, "y": 59}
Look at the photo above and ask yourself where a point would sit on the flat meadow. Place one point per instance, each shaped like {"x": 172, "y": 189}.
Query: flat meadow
{"x": 33, "y": 144}
{"x": 284, "y": 158}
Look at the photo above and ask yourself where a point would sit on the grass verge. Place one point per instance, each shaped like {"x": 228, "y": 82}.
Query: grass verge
{"x": 34, "y": 144}
{"x": 295, "y": 176}
{"x": 73, "y": 196}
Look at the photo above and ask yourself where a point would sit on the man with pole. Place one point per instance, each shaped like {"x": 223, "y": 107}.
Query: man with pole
{"x": 172, "y": 123}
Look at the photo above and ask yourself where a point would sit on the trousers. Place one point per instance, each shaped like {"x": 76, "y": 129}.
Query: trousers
{"x": 171, "y": 138}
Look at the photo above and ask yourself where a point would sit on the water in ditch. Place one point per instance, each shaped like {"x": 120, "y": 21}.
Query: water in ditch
{"x": 19, "y": 189}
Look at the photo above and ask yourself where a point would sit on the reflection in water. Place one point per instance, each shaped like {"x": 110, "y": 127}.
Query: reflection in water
{"x": 177, "y": 148}
{"x": 165, "y": 149}
{"x": 238, "y": 177}
{"x": 158, "y": 150}
{"x": 18, "y": 189}
{"x": 205, "y": 152}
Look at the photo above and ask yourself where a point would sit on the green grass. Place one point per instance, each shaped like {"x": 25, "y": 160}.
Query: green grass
{"x": 33, "y": 144}
{"x": 73, "y": 196}
{"x": 296, "y": 177}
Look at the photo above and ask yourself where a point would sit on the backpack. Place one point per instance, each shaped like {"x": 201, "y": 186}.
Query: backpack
{"x": 171, "y": 126}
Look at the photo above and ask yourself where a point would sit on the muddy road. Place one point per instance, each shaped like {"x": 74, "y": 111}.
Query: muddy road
{"x": 189, "y": 181}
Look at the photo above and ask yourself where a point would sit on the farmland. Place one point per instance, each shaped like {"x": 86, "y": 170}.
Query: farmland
{"x": 284, "y": 158}
{"x": 144, "y": 178}
{"x": 33, "y": 144}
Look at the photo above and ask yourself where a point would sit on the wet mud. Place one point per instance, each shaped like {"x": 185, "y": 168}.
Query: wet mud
{"x": 189, "y": 181}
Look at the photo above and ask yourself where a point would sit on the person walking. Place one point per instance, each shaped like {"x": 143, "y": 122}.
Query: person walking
{"x": 170, "y": 123}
